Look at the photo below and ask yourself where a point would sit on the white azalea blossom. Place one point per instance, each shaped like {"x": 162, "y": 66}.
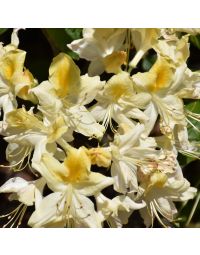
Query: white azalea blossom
{"x": 72, "y": 181}
{"x": 118, "y": 101}
{"x": 159, "y": 194}
{"x": 116, "y": 211}
{"x": 69, "y": 103}
{"x": 27, "y": 193}
{"x": 101, "y": 46}
{"x": 130, "y": 151}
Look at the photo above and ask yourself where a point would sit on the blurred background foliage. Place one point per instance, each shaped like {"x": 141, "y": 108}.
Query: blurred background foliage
{"x": 43, "y": 44}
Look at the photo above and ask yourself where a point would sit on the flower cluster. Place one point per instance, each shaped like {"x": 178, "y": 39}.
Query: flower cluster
{"x": 121, "y": 164}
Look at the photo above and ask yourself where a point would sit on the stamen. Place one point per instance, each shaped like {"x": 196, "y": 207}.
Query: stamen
{"x": 158, "y": 217}
{"x": 162, "y": 212}
{"x": 16, "y": 215}
{"x": 19, "y": 165}
{"x": 151, "y": 214}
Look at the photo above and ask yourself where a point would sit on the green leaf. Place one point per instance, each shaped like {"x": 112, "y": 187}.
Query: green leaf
{"x": 148, "y": 61}
{"x": 193, "y": 133}
{"x": 2, "y": 30}
{"x": 74, "y": 33}
{"x": 195, "y": 40}
{"x": 60, "y": 37}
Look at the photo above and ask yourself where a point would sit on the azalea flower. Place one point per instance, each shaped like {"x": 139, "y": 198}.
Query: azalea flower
{"x": 27, "y": 193}
{"x": 25, "y": 132}
{"x": 71, "y": 182}
{"x": 108, "y": 49}
{"x": 158, "y": 82}
{"x": 68, "y": 96}
{"x": 15, "y": 80}
{"x": 130, "y": 151}
{"x": 119, "y": 101}
{"x": 159, "y": 190}
{"x": 103, "y": 47}
{"x": 116, "y": 211}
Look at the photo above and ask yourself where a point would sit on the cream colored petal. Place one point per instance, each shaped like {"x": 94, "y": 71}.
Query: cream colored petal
{"x": 98, "y": 111}
{"x": 126, "y": 203}
{"x": 8, "y": 103}
{"x": 12, "y": 64}
{"x": 89, "y": 87}
{"x": 144, "y": 80}
{"x": 57, "y": 169}
{"x": 22, "y": 190}
{"x": 130, "y": 139}
{"x": 83, "y": 122}
{"x": 145, "y": 214}
{"x": 13, "y": 185}
{"x": 119, "y": 86}
{"x": 166, "y": 208}
{"x": 137, "y": 114}
{"x": 15, "y": 38}
{"x": 64, "y": 75}
{"x": 39, "y": 187}
{"x": 94, "y": 184}
{"x": 96, "y": 67}
{"x": 152, "y": 113}
{"x": 84, "y": 212}
{"x": 48, "y": 210}
{"x": 124, "y": 175}
{"x": 23, "y": 83}
{"x": 87, "y": 48}
{"x": 140, "y": 100}
{"x": 176, "y": 51}
{"x": 52, "y": 170}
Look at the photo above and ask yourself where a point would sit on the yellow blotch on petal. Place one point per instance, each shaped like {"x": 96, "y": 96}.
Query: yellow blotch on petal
{"x": 24, "y": 82}
{"x": 162, "y": 73}
{"x": 114, "y": 61}
{"x": 120, "y": 85}
{"x": 12, "y": 64}
{"x": 64, "y": 75}
{"x": 77, "y": 166}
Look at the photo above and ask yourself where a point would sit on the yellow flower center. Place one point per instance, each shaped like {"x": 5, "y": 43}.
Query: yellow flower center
{"x": 77, "y": 165}
{"x": 151, "y": 177}
{"x": 117, "y": 91}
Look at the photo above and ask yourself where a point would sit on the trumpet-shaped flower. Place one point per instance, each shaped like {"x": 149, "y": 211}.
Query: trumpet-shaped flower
{"x": 116, "y": 211}
{"x": 158, "y": 82}
{"x": 159, "y": 190}
{"x": 130, "y": 151}
{"x": 103, "y": 47}
{"x": 15, "y": 80}
{"x": 26, "y": 132}
{"x": 67, "y": 96}
{"x": 27, "y": 193}
{"x": 72, "y": 181}
{"x": 118, "y": 100}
